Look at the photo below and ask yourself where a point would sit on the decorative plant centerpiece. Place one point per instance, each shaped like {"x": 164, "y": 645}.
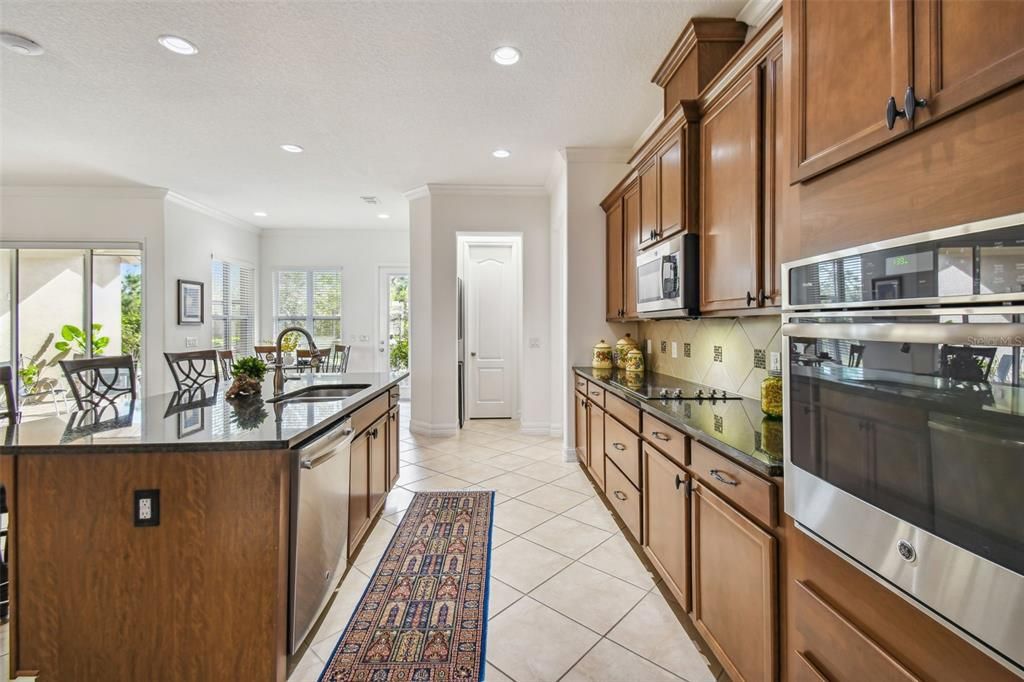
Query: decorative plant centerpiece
{"x": 248, "y": 373}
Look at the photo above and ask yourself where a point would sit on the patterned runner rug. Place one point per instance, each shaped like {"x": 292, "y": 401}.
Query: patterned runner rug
{"x": 423, "y": 617}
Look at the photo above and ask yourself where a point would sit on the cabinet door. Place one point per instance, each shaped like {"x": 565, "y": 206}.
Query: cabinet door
{"x": 849, "y": 57}
{"x": 734, "y": 587}
{"x": 595, "y": 459}
{"x": 776, "y": 179}
{"x": 667, "y": 522}
{"x": 393, "y": 461}
{"x": 648, "y": 204}
{"x": 964, "y": 51}
{"x": 582, "y": 429}
{"x": 631, "y": 245}
{"x": 613, "y": 263}
{"x": 378, "y": 464}
{"x": 358, "y": 490}
{"x": 730, "y": 203}
{"x": 670, "y": 186}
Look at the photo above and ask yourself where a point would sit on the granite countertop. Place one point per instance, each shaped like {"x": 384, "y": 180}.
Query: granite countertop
{"x": 735, "y": 428}
{"x": 197, "y": 420}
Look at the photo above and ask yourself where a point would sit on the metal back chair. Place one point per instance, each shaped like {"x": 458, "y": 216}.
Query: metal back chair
{"x": 10, "y": 411}
{"x": 12, "y": 415}
{"x": 316, "y": 360}
{"x": 268, "y": 352}
{"x": 195, "y": 368}
{"x": 227, "y": 360}
{"x": 339, "y": 362}
{"x": 322, "y": 359}
{"x": 99, "y": 382}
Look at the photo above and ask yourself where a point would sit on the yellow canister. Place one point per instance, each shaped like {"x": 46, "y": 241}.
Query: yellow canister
{"x": 622, "y": 348}
{"x": 771, "y": 395}
{"x": 635, "y": 360}
{"x": 602, "y": 356}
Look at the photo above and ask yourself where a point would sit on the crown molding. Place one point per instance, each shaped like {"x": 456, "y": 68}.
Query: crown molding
{"x": 597, "y": 154}
{"x": 321, "y": 232}
{"x": 106, "y": 191}
{"x": 417, "y": 193}
{"x": 194, "y": 205}
{"x": 698, "y": 30}
{"x": 435, "y": 189}
{"x": 756, "y": 12}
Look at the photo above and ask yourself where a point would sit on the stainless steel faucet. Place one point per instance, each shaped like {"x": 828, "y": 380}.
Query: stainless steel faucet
{"x": 279, "y": 364}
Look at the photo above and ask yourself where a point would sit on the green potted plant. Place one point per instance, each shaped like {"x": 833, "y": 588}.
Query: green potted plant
{"x": 28, "y": 376}
{"x": 248, "y": 373}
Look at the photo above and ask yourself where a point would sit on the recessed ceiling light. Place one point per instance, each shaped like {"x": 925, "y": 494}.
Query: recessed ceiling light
{"x": 260, "y": 214}
{"x": 501, "y": 153}
{"x": 20, "y": 44}
{"x": 505, "y": 55}
{"x": 383, "y": 216}
{"x": 178, "y": 45}
{"x": 293, "y": 148}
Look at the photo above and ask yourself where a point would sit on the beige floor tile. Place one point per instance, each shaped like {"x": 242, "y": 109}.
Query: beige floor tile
{"x": 506, "y": 445}
{"x": 499, "y": 498}
{"x": 492, "y": 674}
{"x": 539, "y": 452}
{"x": 652, "y": 630}
{"x": 589, "y": 596}
{"x": 446, "y": 463}
{"x": 525, "y": 565}
{"x": 518, "y": 517}
{"x": 546, "y": 471}
{"x": 616, "y": 556}
{"x": 567, "y": 536}
{"x": 532, "y": 643}
{"x": 437, "y": 482}
{"x": 509, "y": 461}
{"x": 511, "y": 483}
{"x": 499, "y": 537}
{"x": 414, "y": 455}
{"x": 308, "y": 669}
{"x": 474, "y": 472}
{"x": 340, "y": 611}
{"x": 412, "y": 472}
{"x": 500, "y": 596}
{"x": 594, "y": 513}
{"x": 578, "y": 482}
{"x": 553, "y": 498}
{"x": 608, "y": 661}
{"x": 376, "y": 544}
{"x": 398, "y": 500}
{"x": 395, "y": 518}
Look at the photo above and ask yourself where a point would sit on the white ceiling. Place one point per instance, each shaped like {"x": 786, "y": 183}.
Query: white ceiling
{"x": 384, "y": 96}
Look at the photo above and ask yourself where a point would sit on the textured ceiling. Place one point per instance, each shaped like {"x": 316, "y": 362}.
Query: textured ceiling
{"x": 384, "y": 96}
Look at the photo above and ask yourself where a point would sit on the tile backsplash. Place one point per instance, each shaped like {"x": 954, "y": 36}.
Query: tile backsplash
{"x": 733, "y": 354}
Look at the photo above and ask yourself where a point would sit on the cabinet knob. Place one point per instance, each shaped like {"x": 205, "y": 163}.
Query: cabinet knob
{"x": 679, "y": 481}
{"x": 911, "y": 103}
{"x": 892, "y": 112}
{"x": 750, "y": 299}
{"x": 761, "y": 298}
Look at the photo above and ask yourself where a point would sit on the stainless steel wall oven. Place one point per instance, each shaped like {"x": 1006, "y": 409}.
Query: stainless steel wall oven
{"x": 904, "y": 440}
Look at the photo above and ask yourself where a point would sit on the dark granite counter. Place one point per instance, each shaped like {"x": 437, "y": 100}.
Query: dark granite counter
{"x": 735, "y": 428}
{"x": 197, "y": 421}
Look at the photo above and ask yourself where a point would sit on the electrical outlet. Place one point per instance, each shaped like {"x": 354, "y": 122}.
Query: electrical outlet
{"x": 775, "y": 361}
{"x": 650, "y": 346}
{"x": 146, "y": 508}
{"x": 191, "y": 341}
{"x": 675, "y": 349}
{"x": 664, "y": 346}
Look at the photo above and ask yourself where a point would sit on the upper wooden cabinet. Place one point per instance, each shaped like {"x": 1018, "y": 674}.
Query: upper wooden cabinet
{"x": 614, "y": 263}
{"x": 866, "y": 72}
{"x": 670, "y": 186}
{"x": 648, "y": 204}
{"x": 668, "y": 174}
{"x": 631, "y": 245}
{"x": 776, "y": 178}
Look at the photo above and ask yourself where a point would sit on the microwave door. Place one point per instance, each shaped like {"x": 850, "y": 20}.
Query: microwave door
{"x": 670, "y": 276}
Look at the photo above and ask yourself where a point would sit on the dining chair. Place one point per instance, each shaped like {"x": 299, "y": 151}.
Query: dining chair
{"x": 322, "y": 360}
{"x": 268, "y": 352}
{"x": 856, "y": 355}
{"x": 99, "y": 382}
{"x": 11, "y": 414}
{"x": 194, "y": 368}
{"x": 227, "y": 361}
{"x": 313, "y": 360}
{"x": 339, "y": 361}
{"x": 10, "y": 411}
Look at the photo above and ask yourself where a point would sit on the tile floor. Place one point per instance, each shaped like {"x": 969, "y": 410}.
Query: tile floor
{"x": 569, "y": 598}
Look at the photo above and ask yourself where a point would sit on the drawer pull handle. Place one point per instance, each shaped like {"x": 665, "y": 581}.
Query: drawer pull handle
{"x": 619, "y": 446}
{"x": 661, "y": 436}
{"x": 595, "y": 393}
{"x": 619, "y": 495}
{"x": 717, "y": 475}
{"x": 679, "y": 481}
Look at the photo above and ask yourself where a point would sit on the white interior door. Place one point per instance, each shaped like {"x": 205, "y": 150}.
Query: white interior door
{"x": 393, "y": 323}
{"x": 492, "y": 320}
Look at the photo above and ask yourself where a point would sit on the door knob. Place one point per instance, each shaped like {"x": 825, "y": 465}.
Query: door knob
{"x": 472, "y": 354}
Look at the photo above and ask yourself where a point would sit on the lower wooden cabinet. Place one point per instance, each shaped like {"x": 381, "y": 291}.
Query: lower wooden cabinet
{"x": 735, "y": 605}
{"x": 393, "y": 461}
{"x": 595, "y": 455}
{"x": 378, "y": 456}
{"x": 624, "y": 498}
{"x": 582, "y": 426}
{"x": 666, "y": 522}
{"x": 358, "y": 491}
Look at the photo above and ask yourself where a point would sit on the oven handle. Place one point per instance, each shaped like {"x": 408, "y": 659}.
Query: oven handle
{"x": 971, "y": 333}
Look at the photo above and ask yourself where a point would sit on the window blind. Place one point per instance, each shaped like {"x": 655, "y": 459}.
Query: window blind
{"x": 310, "y": 299}
{"x": 233, "y": 299}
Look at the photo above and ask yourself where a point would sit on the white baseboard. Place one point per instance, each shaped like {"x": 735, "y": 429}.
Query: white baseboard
{"x": 433, "y": 430}
{"x": 540, "y": 429}
{"x": 569, "y": 455}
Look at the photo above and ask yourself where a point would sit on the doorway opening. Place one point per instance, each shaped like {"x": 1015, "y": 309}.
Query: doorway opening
{"x": 393, "y": 326}
{"x": 489, "y": 321}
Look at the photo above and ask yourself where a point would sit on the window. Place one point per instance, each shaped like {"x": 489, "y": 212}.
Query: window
{"x": 233, "y": 302}
{"x": 310, "y": 299}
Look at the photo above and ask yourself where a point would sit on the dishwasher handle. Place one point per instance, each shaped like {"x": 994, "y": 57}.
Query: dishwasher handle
{"x": 325, "y": 447}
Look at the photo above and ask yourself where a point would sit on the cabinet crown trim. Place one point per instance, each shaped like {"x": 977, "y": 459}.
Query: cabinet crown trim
{"x": 699, "y": 29}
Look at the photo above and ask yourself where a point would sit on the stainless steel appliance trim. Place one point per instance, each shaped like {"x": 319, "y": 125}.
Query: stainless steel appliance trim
{"x": 978, "y": 333}
{"x": 930, "y": 235}
{"x": 669, "y": 247}
{"x": 914, "y": 312}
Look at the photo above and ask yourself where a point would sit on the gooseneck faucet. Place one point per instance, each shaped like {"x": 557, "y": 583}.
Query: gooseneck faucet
{"x": 279, "y": 364}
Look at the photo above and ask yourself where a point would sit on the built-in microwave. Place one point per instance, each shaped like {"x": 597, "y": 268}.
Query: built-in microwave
{"x": 667, "y": 279}
{"x": 904, "y": 419}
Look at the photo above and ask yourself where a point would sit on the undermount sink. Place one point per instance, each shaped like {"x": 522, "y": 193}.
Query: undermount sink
{"x": 323, "y": 392}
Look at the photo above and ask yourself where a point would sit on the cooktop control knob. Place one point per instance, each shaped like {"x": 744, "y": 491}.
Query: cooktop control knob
{"x": 665, "y": 393}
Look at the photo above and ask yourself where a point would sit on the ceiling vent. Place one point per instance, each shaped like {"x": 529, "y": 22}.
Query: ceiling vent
{"x": 370, "y": 200}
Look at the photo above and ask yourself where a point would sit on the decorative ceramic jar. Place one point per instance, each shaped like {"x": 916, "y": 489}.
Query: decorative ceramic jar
{"x": 603, "y": 374}
{"x": 622, "y": 348}
{"x": 634, "y": 380}
{"x": 771, "y": 395}
{"x": 771, "y": 437}
{"x": 635, "y": 360}
{"x": 602, "y": 356}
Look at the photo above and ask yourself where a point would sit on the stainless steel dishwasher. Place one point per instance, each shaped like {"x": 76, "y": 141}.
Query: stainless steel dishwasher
{"x": 319, "y": 526}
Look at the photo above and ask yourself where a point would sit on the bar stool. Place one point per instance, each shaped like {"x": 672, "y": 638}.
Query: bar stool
{"x": 97, "y": 383}
{"x": 227, "y": 360}
{"x": 194, "y": 368}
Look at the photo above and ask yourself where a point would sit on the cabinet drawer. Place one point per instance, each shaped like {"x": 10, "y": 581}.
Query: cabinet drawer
{"x": 581, "y": 384}
{"x": 595, "y": 394}
{"x": 624, "y": 497}
{"x": 369, "y": 413}
{"x": 623, "y": 411}
{"x": 393, "y": 395}
{"x": 622, "y": 447}
{"x": 836, "y": 649}
{"x": 805, "y": 671}
{"x": 750, "y": 492}
{"x": 665, "y": 438}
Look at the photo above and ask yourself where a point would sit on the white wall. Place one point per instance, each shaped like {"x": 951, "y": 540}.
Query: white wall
{"x": 557, "y": 187}
{"x": 360, "y": 254}
{"x": 438, "y": 213}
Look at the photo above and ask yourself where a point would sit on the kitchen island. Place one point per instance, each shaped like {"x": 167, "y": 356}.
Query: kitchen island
{"x": 198, "y": 588}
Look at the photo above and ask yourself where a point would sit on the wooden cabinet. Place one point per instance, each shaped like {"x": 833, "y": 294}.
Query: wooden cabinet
{"x": 669, "y": 161}
{"x": 776, "y": 179}
{"x": 730, "y": 205}
{"x": 359, "y": 491}
{"x": 631, "y": 246}
{"x": 648, "y": 204}
{"x": 394, "y": 463}
{"x": 734, "y": 587}
{"x": 378, "y": 458}
{"x": 614, "y": 264}
{"x": 666, "y": 522}
{"x": 582, "y": 428}
{"x": 595, "y": 431}
{"x": 624, "y": 498}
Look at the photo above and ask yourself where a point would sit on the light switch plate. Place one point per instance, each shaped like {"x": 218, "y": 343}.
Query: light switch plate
{"x": 534, "y": 342}
{"x": 675, "y": 349}
{"x": 775, "y": 361}
{"x": 650, "y": 345}
{"x": 191, "y": 341}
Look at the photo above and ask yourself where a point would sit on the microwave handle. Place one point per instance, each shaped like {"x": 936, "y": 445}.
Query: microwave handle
{"x": 970, "y": 333}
